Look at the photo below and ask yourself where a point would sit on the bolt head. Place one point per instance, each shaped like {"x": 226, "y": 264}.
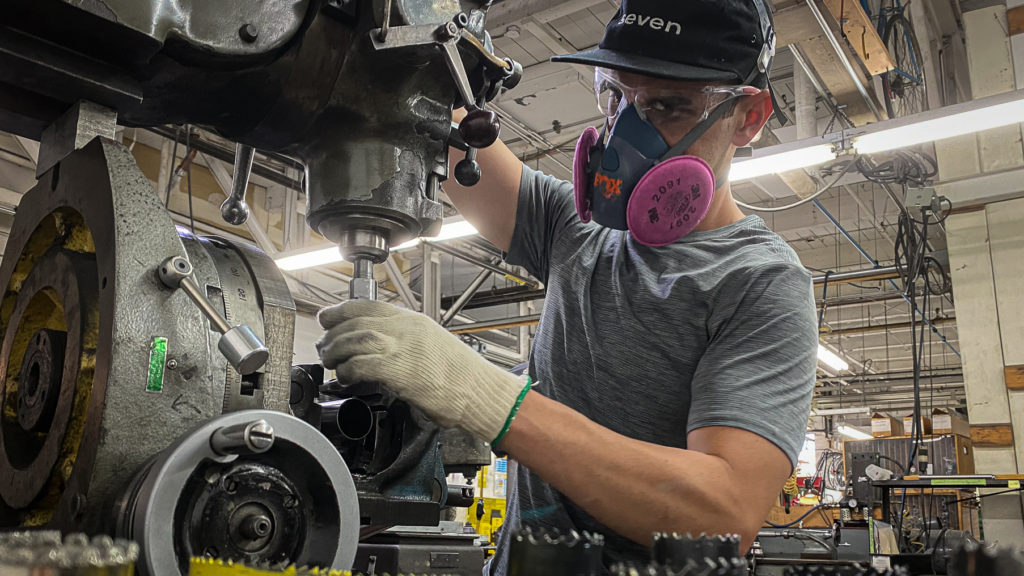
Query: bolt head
{"x": 248, "y": 33}
{"x": 172, "y": 364}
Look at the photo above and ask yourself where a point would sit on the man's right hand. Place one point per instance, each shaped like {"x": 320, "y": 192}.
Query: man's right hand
{"x": 490, "y": 205}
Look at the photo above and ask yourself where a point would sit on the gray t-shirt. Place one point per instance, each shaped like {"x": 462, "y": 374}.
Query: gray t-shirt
{"x": 717, "y": 329}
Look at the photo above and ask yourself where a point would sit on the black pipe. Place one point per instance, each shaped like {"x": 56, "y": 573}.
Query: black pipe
{"x": 346, "y": 420}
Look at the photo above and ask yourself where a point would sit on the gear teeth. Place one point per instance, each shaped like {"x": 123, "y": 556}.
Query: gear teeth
{"x": 715, "y": 555}
{"x": 74, "y": 552}
{"x": 550, "y": 552}
{"x": 845, "y": 571}
{"x": 974, "y": 559}
{"x": 706, "y": 567}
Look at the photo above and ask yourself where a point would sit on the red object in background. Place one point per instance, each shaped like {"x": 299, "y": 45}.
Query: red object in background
{"x": 802, "y": 482}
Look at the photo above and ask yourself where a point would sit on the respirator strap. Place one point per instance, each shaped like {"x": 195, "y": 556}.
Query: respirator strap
{"x": 683, "y": 145}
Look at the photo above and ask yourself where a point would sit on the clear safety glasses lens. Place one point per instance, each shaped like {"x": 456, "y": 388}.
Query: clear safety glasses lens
{"x": 689, "y": 103}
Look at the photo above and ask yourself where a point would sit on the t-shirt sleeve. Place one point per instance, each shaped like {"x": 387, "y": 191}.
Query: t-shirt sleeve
{"x": 545, "y": 211}
{"x": 759, "y": 369}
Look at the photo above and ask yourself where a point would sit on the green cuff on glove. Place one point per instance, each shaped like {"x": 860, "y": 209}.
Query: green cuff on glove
{"x": 513, "y": 412}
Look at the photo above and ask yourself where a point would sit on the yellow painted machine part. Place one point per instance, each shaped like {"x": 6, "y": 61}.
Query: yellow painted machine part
{"x": 66, "y": 229}
{"x": 494, "y": 510}
{"x": 213, "y": 567}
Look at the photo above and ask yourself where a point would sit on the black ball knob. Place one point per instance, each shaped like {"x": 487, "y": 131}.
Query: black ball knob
{"x": 467, "y": 172}
{"x": 479, "y": 129}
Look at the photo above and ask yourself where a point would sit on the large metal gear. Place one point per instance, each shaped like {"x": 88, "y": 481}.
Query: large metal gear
{"x": 83, "y": 402}
{"x": 255, "y": 486}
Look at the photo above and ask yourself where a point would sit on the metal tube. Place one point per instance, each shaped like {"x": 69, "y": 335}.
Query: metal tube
{"x": 404, "y": 291}
{"x": 481, "y": 263}
{"x": 211, "y": 313}
{"x": 882, "y": 273}
{"x": 350, "y": 419}
{"x": 859, "y": 299}
{"x": 883, "y": 327}
{"x": 798, "y": 57}
{"x": 806, "y": 97}
{"x": 468, "y": 293}
{"x": 499, "y": 324}
{"x": 842, "y": 58}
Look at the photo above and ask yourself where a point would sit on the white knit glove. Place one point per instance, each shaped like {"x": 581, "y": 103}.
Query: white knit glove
{"x": 422, "y": 363}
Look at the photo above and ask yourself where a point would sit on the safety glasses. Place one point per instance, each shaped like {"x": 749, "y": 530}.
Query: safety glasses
{"x": 687, "y": 104}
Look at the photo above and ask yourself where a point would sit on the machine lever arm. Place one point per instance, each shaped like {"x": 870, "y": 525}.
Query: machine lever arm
{"x": 239, "y": 344}
{"x": 234, "y": 210}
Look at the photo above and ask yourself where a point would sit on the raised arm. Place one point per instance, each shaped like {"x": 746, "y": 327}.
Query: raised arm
{"x": 490, "y": 206}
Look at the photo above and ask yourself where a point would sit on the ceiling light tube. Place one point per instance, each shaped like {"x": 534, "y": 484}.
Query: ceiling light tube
{"x": 449, "y": 231}
{"x": 948, "y": 122}
{"x": 831, "y": 359}
{"x": 310, "y": 258}
{"x": 322, "y": 256}
{"x": 851, "y": 432}
{"x": 781, "y": 162}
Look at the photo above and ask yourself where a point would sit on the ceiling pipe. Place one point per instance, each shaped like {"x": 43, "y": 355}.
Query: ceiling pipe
{"x": 866, "y": 275}
{"x": 884, "y": 327}
{"x": 813, "y": 5}
{"x": 499, "y": 324}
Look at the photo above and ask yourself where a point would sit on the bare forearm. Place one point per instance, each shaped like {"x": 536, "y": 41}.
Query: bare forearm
{"x": 635, "y": 488}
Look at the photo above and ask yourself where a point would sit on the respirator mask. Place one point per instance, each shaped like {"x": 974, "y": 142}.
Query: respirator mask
{"x": 632, "y": 179}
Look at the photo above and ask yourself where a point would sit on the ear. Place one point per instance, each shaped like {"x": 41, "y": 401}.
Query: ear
{"x": 754, "y": 112}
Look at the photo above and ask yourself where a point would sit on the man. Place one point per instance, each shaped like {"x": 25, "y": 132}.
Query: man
{"x": 672, "y": 368}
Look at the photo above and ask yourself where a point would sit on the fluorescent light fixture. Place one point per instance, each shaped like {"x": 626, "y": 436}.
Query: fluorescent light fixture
{"x": 946, "y": 126}
{"x": 851, "y": 432}
{"x": 302, "y": 260}
{"x": 781, "y": 162}
{"x": 456, "y": 228}
{"x": 831, "y": 359}
{"x": 840, "y": 411}
{"x": 449, "y": 231}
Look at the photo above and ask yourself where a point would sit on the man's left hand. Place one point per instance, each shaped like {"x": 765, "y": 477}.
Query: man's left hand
{"x": 421, "y": 362}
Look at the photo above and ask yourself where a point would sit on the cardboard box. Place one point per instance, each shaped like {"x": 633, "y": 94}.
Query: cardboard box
{"x": 908, "y": 425}
{"x": 883, "y": 426}
{"x": 946, "y": 422}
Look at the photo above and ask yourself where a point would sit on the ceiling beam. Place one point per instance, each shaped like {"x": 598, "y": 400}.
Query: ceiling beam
{"x": 501, "y": 14}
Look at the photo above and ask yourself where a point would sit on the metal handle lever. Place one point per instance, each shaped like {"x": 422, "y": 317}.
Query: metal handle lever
{"x": 234, "y": 210}
{"x": 239, "y": 344}
{"x": 244, "y": 438}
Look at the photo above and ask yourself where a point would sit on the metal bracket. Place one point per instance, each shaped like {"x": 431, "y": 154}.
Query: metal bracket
{"x": 74, "y": 129}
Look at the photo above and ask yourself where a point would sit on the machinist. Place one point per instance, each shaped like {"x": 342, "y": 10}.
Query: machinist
{"x": 671, "y": 375}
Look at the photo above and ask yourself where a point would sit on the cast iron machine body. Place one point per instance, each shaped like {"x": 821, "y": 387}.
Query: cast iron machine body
{"x": 129, "y": 345}
{"x": 360, "y": 91}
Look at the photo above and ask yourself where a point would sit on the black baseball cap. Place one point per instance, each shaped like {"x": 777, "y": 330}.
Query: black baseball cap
{"x": 700, "y": 40}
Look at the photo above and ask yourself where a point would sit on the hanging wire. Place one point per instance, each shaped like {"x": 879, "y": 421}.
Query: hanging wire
{"x": 188, "y": 175}
{"x": 171, "y": 168}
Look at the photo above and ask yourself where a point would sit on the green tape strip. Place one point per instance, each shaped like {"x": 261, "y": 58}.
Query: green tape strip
{"x": 157, "y": 362}
{"x": 959, "y": 482}
{"x": 512, "y": 414}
